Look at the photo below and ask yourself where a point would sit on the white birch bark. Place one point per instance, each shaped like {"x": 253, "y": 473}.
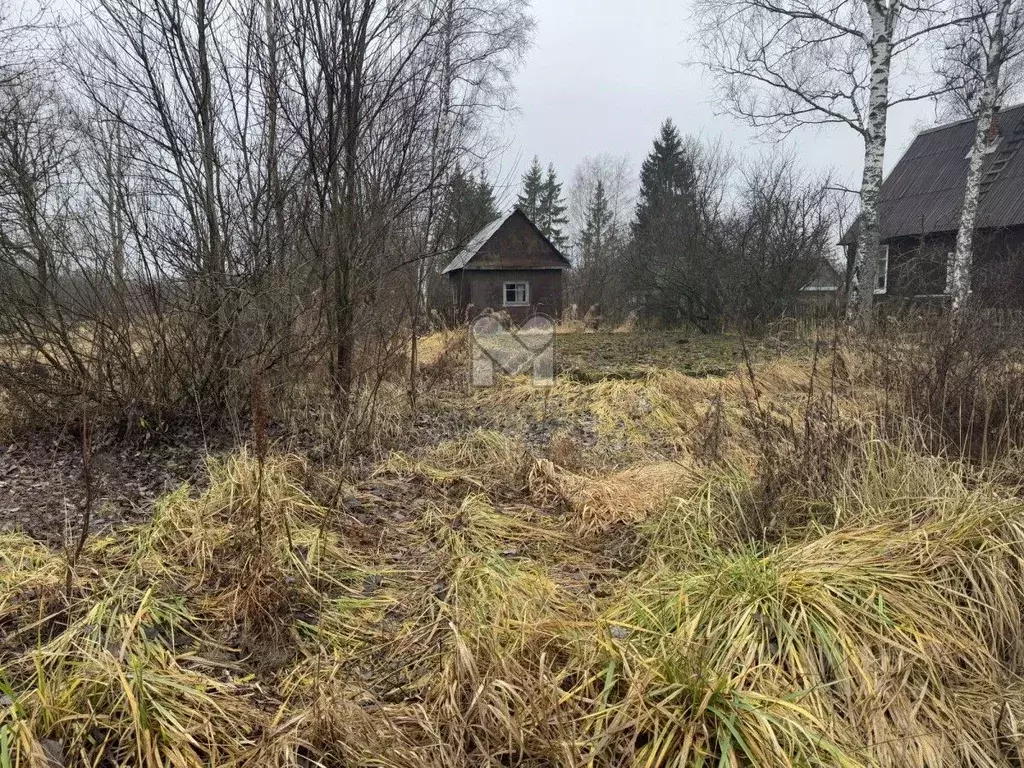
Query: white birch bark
{"x": 960, "y": 269}
{"x": 860, "y": 298}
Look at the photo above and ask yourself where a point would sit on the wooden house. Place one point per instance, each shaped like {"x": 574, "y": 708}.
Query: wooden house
{"x": 508, "y": 265}
{"x": 920, "y": 207}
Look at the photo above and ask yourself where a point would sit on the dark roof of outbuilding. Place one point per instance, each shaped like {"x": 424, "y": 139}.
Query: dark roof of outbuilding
{"x": 481, "y": 238}
{"x": 826, "y": 277}
{"x": 924, "y": 192}
{"x": 473, "y": 246}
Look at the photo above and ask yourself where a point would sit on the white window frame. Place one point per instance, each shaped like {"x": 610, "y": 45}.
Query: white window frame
{"x": 513, "y": 285}
{"x": 882, "y": 271}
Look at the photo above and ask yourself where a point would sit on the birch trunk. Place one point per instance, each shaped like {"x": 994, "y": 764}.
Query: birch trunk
{"x": 439, "y": 144}
{"x": 960, "y": 269}
{"x": 860, "y": 299}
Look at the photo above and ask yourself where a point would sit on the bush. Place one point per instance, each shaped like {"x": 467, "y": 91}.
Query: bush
{"x": 960, "y": 383}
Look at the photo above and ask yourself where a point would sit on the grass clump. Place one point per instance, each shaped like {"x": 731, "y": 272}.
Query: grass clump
{"x": 804, "y": 594}
{"x": 484, "y": 460}
{"x": 880, "y": 641}
{"x": 598, "y": 504}
{"x": 113, "y": 685}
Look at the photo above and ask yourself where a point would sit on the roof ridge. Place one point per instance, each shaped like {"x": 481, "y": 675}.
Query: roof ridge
{"x": 962, "y": 121}
{"x": 482, "y": 237}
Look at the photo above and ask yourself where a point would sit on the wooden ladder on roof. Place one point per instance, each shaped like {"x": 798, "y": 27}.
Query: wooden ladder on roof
{"x": 1001, "y": 160}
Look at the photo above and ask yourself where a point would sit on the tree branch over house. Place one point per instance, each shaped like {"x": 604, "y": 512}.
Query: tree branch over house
{"x": 786, "y": 65}
{"x": 993, "y": 39}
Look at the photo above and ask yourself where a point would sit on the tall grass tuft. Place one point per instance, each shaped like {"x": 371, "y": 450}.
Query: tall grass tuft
{"x": 820, "y": 589}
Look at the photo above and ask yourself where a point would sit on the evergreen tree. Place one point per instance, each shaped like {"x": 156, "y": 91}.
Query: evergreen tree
{"x": 471, "y": 206}
{"x": 533, "y": 188}
{"x": 486, "y": 204}
{"x": 599, "y": 247}
{"x": 673, "y": 258}
{"x": 597, "y": 229}
{"x": 667, "y": 185}
{"x": 551, "y": 217}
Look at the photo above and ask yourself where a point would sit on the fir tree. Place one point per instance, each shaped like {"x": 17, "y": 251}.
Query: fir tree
{"x": 598, "y": 250}
{"x": 485, "y": 202}
{"x": 551, "y": 218}
{"x": 533, "y": 188}
{"x": 673, "y": 270}
{"x": 667, "y": 181}
{"x": 471, "y": 206}
{"x": 597, "y": 228}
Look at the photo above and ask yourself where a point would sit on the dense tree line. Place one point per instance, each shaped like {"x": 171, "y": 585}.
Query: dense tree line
{"x": 196, "y": 195}
{"x": 706, "y": 242}
{"x": 198, "y": 198}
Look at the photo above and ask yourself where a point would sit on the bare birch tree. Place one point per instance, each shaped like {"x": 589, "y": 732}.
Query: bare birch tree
{"x": 791, "y": 63}
{"x": 996, "y": 49}
{"x": 962, "y": 60}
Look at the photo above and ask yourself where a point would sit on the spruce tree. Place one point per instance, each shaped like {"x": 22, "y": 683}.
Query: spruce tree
{"x": 486, "y": 205}
{"x": 597, "y": 227}
{"x": 599, "y": 249}
{"x": 673, "y": 270}
{"x": 667, "y": 185}
{"x": 471, "y": 206}
{"x": 551, "y": 218}
{"x": 533, "y": 188}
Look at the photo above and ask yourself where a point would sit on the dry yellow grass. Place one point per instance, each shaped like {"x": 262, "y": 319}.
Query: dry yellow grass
{"x": 598, "y": 503}
{"x": 474, "y": 613}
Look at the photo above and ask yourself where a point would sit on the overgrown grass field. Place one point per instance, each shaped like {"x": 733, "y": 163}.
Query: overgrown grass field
{"x": 686, "y": 553}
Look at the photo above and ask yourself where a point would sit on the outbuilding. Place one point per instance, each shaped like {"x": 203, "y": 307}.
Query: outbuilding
{"x": 508, "y": 265}
{"x": 919, "y": 214}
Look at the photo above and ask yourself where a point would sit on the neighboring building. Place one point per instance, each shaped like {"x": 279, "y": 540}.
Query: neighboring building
{"x": 824, "y": 288}
{"x": 920, "y": 213}
{"x": 508, "y": 265}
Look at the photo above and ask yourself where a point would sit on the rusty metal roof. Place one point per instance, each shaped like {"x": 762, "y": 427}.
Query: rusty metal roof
{"x": 923, "y": 194}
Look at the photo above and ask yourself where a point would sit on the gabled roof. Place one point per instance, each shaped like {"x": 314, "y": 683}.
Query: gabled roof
{"x": 826, "y": 277}
{"x": 481, "y": 238}
{"x": 474, "y": 245}
{"x": 923, "y": 194}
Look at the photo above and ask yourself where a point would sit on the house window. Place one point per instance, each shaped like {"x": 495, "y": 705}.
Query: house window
{"x": 517, "y": 294}
{"x": 882, "y": 273}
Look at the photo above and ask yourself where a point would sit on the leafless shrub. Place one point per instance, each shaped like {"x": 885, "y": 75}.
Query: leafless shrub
{"x": 199, "y": 194}
{"x": 961, "y": 382}
{"x": 797, "y": 460}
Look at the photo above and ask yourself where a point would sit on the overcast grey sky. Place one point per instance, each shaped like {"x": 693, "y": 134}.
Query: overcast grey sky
{"x": 603, "y": 74}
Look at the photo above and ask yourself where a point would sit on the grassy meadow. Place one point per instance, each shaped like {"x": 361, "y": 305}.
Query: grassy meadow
{"x": 690, "y": 551}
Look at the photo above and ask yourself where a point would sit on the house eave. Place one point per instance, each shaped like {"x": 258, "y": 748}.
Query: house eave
{"x": 513, "y": 268}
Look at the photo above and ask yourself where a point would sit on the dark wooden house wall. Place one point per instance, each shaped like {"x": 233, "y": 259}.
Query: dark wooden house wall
{"x": 481, "y": 289}
{"x": 917, "y": 266}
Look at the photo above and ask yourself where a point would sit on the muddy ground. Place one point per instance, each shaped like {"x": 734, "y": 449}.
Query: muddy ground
{"x": 42, "y": 487}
